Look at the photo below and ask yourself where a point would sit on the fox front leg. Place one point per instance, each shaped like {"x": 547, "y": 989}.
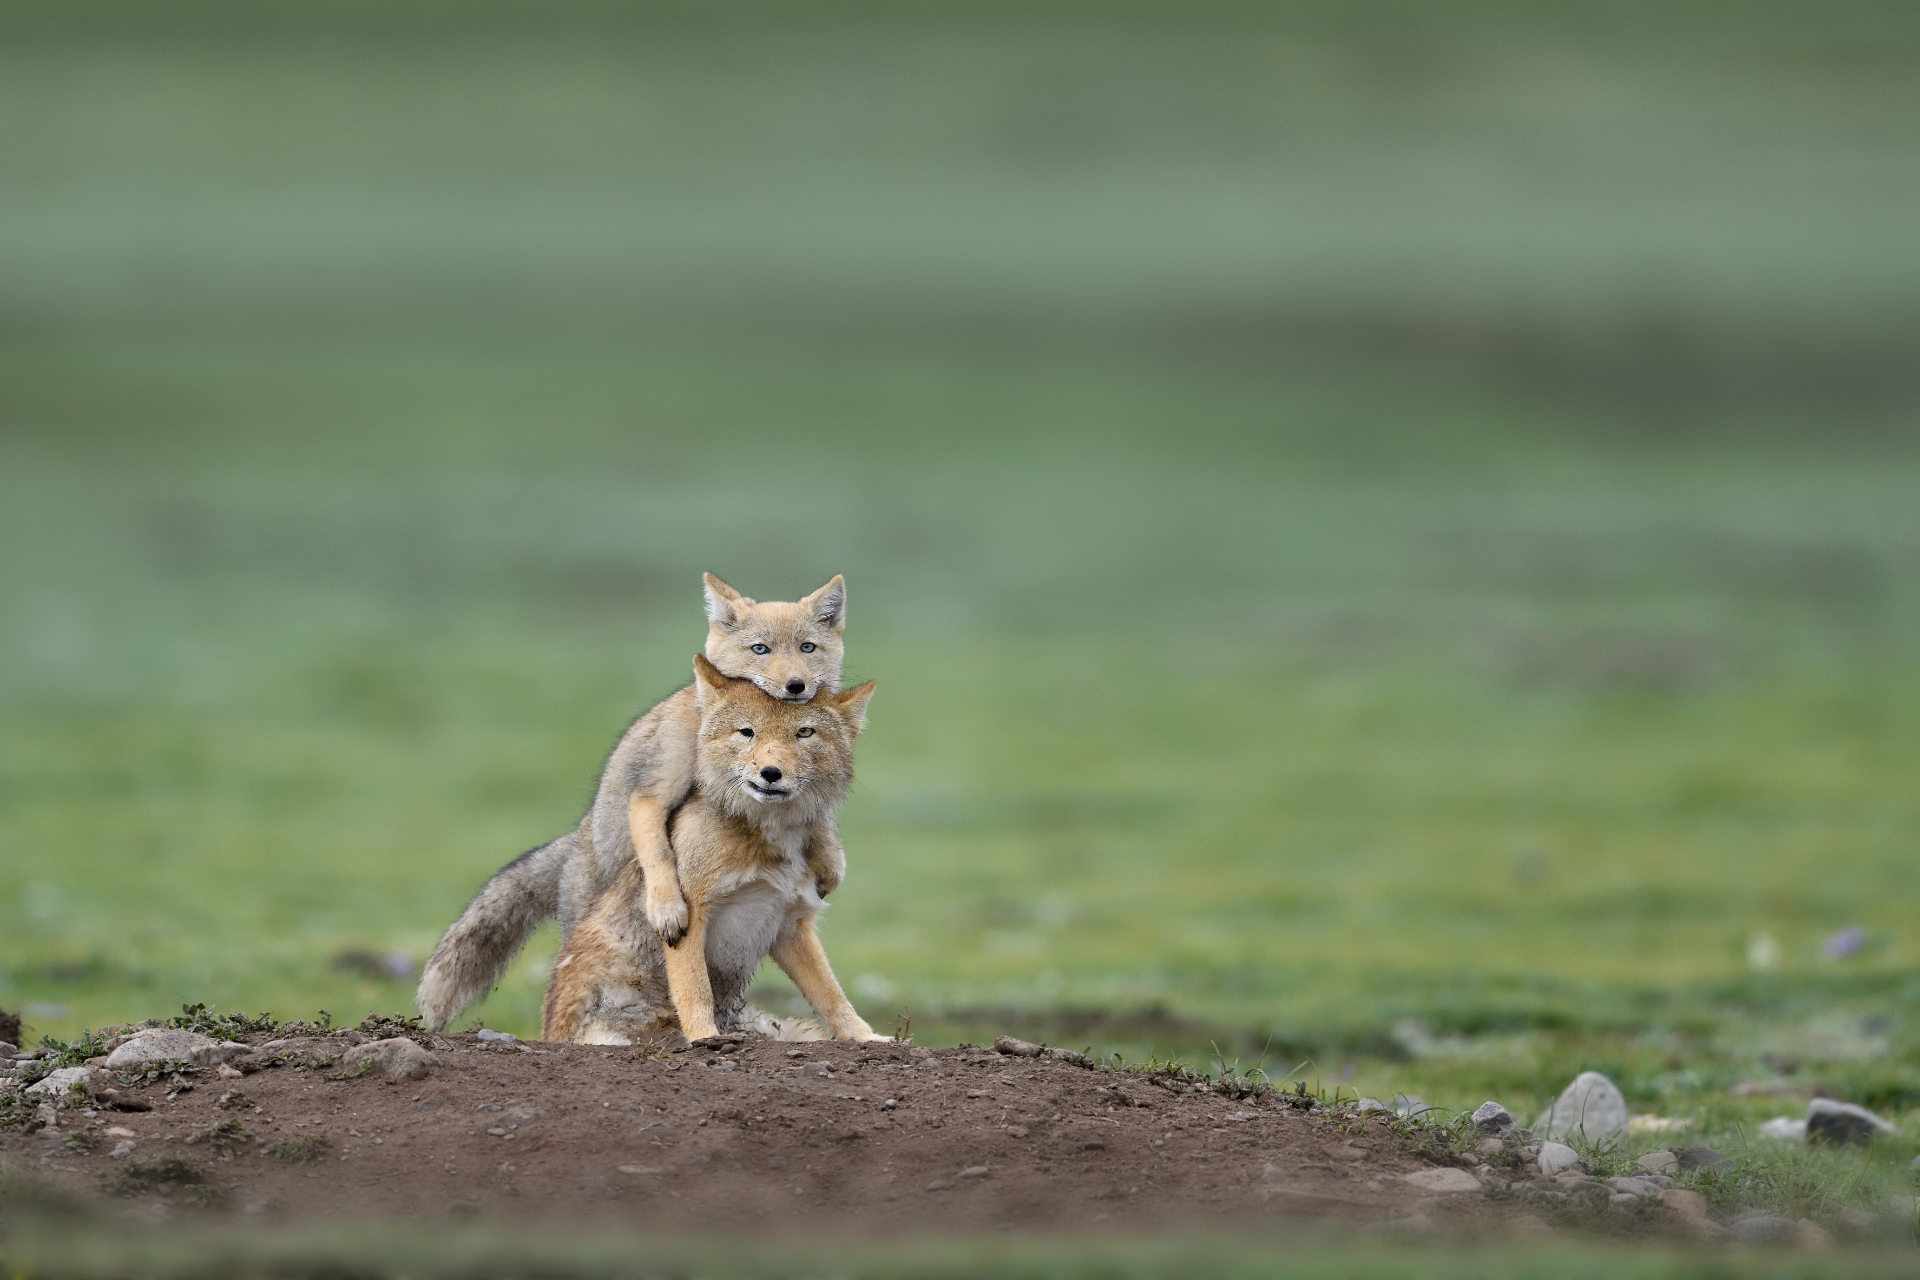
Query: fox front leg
{"x": 826, "y": 858}
{"x": 800, "y": 954}
{"x": 665, "y": 907}
{"x": 688, "y": 983}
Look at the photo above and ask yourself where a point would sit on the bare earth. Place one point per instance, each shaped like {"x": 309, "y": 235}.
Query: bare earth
{"x": 832, "y": 1136}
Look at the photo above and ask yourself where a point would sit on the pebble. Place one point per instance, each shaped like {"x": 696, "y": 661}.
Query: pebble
{"x": 1442, "y": 1180}
{"x": 1493, "y": 1119}
{"x": 498, "y": 1037}
{"x": 974, "y": 1171}
{"x": 166, "y": 1044}
{"x": 1784, "y": 1129}
{"x": 1690, "y": 1204}
{"x": 1659, "y": 1162}
{"x": 398, "y": 1058}
{"x": 1636, "y": 1186}
{"x": 1592, "y": 1105}
{"x": 1557, "y": 1157}
{"x": 1843, "y": 1123}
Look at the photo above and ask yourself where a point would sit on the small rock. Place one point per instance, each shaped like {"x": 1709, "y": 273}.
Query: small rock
{"x": 1368, "y": 1106}
{"x": 974, "y": 1171}
{"x": 122, "y": 1149}
{"x": 1810, "y": 1235}
{"x": 1017, "y": 1048}
{"x": 1016, "y": 1131}
{"x": 59, "y": 1086}
{"x": 1762, "y": 1228}
{"x": 1634, "y": 1186}
{"x": 496, "y": 1037}
{"x": 1659, "y": 1162}
{"x": 1692, "y": 1158}
{"x": 8, "y": 1050}
{"x": 1489, "y": 1147}
{"x": 1785, "y": 1129}
{"x": 1556, "y": 1158}
{"x": 1843, "y": 1123}
{"x": 1690, "y": 1204}
{"x": 1623, "y": 1200}
{"x": 163, "y": 1044}
{"x": 1442, "y": 1180}
{"x": 940, "y": 1184}
{"x": 1492, "y": 1119}
{"x": 398, "y": 1058}
{"x": 1591, "y": 1106}
{"x": 1858, "y": 1222}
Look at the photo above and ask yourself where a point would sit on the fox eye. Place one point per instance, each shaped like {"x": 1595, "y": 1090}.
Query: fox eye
{"x": 746, "y": 733}
{"x": 760, "y": 648}
{"x": 804, "y": 733}
{"x": 808, "y": 647}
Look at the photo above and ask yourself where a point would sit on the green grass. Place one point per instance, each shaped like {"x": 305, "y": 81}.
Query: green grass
{"x": 1389, "y": 545}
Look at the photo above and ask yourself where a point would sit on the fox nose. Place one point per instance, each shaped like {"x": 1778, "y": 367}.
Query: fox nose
{"x": 770, "y": 773}
{"x": 796, "y": 687}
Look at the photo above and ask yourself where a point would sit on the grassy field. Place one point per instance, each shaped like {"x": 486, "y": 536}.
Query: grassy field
{"x": 1390, "y": 544}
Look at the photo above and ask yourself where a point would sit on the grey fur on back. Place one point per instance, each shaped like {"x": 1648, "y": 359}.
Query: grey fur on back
{"x": 563, "y": 877}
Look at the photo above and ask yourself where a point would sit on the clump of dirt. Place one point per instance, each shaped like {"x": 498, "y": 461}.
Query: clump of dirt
{"x": 823, "y": 1136}
{"x": 9, "y": 1027}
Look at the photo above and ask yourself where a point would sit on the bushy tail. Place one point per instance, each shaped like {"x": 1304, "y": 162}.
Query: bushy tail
{"x": 491, "y": 931}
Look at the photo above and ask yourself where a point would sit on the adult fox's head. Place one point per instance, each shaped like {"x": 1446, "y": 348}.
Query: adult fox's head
{"x": 792, "y": 651}
{"x": 757, "y": 751}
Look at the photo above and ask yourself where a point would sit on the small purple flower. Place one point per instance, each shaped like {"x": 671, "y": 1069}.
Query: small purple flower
{"x": 1846, "y": 942}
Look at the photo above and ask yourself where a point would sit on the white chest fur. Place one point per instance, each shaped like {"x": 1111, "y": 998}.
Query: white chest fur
{"x": 757, "y": 907}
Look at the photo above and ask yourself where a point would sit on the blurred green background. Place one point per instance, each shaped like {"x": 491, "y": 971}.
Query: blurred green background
{"x": 1389, "y": 534}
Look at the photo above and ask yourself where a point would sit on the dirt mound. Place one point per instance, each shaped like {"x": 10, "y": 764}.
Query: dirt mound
{"x": 819, "y": 1137}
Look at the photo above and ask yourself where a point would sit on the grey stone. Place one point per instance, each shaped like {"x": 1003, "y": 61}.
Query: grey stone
{"x": 1658, "y": 1162}
{"x": 1493, "y": 1119}
{"x": 58, "y": 1087}
{"x": 1623, "y": 1200}
{"x": 1842, "y": 1122}
{"x": 163, "y": 1044}
{"x": 1691, "y": 1158}
{"x": 1442, "y": 1180}
{"x": 1367, "y": 1106}
{"x": 1556, "y": 1158}
{"x": 1489, "y": 1147}
{"x": 1762, "y": 1228}
{"x": 1635, "y": 1186}
{"x": 1591, "y": 1107}
{"x": 501, "y": 1037}
{"x": 8, "y": 1050}
{"x": 398, "y": 1059}
{"x": 1410, "y": 1104}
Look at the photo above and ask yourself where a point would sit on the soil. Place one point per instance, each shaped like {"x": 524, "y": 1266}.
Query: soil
{"x": 820, "y": 1137}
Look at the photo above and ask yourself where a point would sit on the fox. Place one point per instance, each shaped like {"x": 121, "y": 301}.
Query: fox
{"x": 768, "y": 774}
{"x": 790, "y": 650}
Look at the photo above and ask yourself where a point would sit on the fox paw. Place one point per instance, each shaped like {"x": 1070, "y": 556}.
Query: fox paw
{"x": 668, "y": 916}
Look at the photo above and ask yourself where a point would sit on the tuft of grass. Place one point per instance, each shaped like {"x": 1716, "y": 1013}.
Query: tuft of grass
{"x": 84, "y": 1141}
{"x": 168, "y": 1175}
{"x": 222, "y": 1136}
{"x": 302, "y": 1148}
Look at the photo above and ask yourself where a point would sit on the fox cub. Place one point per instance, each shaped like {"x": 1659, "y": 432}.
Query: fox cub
{"x": 768, "y": 774}
{"x": 791, "y": 651}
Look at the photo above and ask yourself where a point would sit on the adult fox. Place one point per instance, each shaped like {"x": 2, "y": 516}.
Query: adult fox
{"x": 768, "y": 775}
{"x": 790, "y": 650}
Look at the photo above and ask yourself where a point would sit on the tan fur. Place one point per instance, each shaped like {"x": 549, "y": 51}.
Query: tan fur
{"x": 649, "y": 773}
{"x": 769, "y": 774}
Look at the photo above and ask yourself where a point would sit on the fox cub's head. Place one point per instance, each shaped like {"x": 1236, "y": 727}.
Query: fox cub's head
{"x": 758, "y": 751}
{"x": 792, "y": 651}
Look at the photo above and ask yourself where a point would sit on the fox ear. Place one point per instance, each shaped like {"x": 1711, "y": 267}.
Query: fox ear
{"x": 853, "y": 705}
{"x": 708, "y": 673}
{"x": 723, "y": 602}
{"x": 829, "y": 604}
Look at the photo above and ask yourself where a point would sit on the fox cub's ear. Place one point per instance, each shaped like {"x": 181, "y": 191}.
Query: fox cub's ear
{"x": 828, "y": 604}
{"x": 723, "y": 602}
{"x": 853, "y": 705}
{"x": 708, "y": 673}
